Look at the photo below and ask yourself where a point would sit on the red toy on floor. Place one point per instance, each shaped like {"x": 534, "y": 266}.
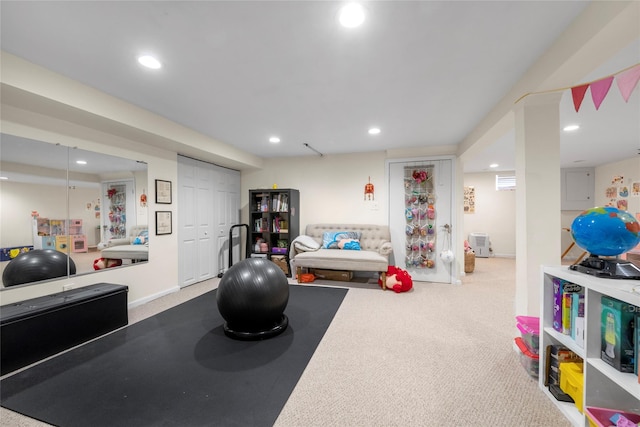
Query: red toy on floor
{"x": 397, "y": 279}
{"x": 102, "y": 263}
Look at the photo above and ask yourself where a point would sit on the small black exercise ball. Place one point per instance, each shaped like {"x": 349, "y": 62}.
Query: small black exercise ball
{"x": 36, "y": 265}
{"x": 251, "y": 297}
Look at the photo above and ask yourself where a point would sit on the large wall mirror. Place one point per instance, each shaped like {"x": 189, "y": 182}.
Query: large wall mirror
{"x": 88, "y": 205}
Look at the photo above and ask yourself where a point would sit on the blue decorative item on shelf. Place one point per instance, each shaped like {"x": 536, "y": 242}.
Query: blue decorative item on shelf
{"x": 605, "y": 231}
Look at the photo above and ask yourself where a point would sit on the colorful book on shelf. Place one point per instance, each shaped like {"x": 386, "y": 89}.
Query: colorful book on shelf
{"x": 560, "y": 287}
{"x": 567, "y": 299}
{"x": 577, "y": 310}
{"x": 579, "y": 328}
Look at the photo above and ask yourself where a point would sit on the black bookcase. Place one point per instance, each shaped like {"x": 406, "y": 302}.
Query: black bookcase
{"x": 274, "y": 222}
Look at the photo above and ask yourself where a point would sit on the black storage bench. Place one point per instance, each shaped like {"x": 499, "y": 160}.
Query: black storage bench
{"x": 37, "y": 328}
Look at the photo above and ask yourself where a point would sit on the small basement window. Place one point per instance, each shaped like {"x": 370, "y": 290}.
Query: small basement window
{"x": 505, "y": 182}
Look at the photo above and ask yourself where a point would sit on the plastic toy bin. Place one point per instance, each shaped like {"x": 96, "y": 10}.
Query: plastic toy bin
{"x": 600, "y": 417}
{"x": 572, "y": 382}
{"x": 529, "y": 328}
{"x": 529, "y": 360}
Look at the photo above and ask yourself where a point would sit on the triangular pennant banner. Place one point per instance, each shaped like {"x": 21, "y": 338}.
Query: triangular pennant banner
{"x": 627, "y": 81}
{"x": 600, "y": 89}
{"x": 578, "y": 95}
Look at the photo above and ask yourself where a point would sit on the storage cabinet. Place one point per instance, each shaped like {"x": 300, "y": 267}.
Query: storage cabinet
{"x": 59, "y": 234}
{"x": 274, "y": 223}
{"x": 604, "y": 386}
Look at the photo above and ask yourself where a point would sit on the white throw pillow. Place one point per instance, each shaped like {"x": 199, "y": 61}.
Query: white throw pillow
{"x": 306, "y": 243}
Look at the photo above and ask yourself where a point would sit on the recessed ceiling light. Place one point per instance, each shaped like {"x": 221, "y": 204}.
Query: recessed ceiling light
{"x": 4, "y": 177}
{"x": 81, "y": 162}
{"x": 494, "y": 165}
{"x": 149, "y": 62}
{"x": 570, "y": 128}
{"x": 374, "y": 131}
{"x": 351, "y": 15}
{"x": 274, "y": 139}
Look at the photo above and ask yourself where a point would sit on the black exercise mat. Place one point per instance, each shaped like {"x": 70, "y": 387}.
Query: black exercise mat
{"x": 177, "y": 369}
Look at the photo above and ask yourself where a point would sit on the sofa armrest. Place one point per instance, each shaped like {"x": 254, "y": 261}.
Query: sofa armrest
{"x": 118, "y": 242}
{"x": 386, "y": 248}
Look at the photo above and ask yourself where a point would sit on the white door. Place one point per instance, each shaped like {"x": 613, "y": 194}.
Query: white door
{"x": 227, "y": 215}
{"x": 420, "y": 217}
{"x": 208, "y": 205}
{"x": 118, "y": 206}
{"x": 196, "y": 219}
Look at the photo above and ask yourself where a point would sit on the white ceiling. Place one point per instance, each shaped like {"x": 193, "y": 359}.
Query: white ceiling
{"x": 425, "y": 72}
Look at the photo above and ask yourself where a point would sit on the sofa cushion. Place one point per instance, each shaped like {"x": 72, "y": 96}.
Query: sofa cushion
{"x": 137, "y": 252}
{"x": 343, "y": 260}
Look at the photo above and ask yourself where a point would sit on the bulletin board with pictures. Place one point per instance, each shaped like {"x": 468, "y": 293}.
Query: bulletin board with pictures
{"x": 469, "y": 200}
{"x": 623, "y": 194}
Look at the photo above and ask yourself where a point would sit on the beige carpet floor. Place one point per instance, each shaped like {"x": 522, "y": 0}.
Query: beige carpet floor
{"x": 440, "y": 355}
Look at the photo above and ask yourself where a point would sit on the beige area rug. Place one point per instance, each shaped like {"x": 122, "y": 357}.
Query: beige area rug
{"x": 440, "y": 355}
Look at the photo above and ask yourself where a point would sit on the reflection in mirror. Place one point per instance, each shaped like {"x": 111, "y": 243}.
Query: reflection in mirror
{"x": 78, "y": 202}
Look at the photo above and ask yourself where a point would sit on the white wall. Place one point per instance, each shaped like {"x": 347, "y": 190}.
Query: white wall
{"x": 331, "y": 187}
{"x": 20, "y": 199}
{"x": 495, "y": 210}
{"x": 630, "y": 170}
{"x": 495, "y": 213}
{"x": 50, "y": 201}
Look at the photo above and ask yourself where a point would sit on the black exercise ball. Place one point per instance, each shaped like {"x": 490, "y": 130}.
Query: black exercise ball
{"x": 251, "y": 297}
{"x": 36, "y": 265}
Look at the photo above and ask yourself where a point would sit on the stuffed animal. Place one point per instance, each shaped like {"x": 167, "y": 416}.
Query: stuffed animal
{"x": 102, "y": 263}
{"x": 467, "y": 247}
{"x": 397, "y": 279}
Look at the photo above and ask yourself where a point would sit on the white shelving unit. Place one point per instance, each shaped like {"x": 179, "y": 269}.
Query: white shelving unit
{"x": 604, "y": 386}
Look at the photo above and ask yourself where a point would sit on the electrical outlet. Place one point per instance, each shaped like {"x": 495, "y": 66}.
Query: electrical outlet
{"x": 68, "y": 287}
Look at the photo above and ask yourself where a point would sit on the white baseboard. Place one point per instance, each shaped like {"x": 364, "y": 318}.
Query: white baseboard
{"x": 152, "y": 297}
{"x": 504, "y": 255}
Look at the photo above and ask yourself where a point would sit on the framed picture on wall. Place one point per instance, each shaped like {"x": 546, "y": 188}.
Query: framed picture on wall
{"x": 163, "y": 191}
{"x": 163, "y": 222}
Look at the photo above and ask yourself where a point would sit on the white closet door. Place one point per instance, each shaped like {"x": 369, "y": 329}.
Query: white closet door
{"x": 195, "y": 224}
{"x": 228, "y": 215}
{"x": 208, "y": 205}
{"x": 187, "y": 233}
{"x": 409, "y": 247}
{"x": 205, "y": 222}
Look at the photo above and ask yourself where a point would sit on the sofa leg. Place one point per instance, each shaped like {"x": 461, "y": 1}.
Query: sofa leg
{"x": 383, "y": 279}
{"x": 298, "y": 273}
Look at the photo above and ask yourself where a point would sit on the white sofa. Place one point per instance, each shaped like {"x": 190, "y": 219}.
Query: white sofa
{"x": 125, "y": 249}
{"x": 375, "y": 244}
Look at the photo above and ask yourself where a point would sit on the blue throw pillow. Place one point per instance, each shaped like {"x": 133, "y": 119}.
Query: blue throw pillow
{"x": 353, "y": 245}
{"x": 330, "y": 239}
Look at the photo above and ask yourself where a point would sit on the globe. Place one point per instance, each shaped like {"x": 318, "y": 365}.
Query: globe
{"x": 605, "y": 231}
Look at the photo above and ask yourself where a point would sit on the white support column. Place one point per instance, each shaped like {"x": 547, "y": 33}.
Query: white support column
{"x": 537, "y": 125}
